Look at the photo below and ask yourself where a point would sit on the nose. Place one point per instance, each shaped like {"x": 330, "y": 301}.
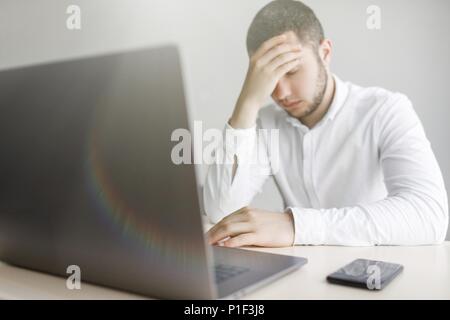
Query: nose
{"x": 282, "y": 90}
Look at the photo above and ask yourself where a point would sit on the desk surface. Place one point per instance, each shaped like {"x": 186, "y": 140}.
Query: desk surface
{"x": 426, "y": 276}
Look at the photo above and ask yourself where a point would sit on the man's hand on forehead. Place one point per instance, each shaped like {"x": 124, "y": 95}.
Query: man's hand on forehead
{"x": 271, "y": 61}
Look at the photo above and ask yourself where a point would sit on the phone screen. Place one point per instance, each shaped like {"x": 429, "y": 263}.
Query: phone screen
{"x": 369, "y": 274}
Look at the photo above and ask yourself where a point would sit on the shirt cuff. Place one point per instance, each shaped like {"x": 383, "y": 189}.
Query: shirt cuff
{"x": 239, "y": 142}
{"x": 309, "y": 226}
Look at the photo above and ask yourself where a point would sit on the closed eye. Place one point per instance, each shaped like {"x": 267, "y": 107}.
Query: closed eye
{"x": 292, "y": 72}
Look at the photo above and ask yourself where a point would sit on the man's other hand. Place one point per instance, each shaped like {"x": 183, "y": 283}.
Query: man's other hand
{"x": 253, "y": 227}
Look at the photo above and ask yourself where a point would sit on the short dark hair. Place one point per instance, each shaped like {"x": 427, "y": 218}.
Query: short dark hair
{"x": 280, "y": 16}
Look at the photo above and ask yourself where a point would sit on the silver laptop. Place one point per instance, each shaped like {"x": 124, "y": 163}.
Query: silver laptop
{"x": 87, "y": 180}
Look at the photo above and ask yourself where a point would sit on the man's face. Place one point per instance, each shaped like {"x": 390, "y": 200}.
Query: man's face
{"x": 301, "y": 91}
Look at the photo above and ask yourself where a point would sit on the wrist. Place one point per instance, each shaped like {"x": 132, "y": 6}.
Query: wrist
{"x": 290, "y": 216}
{"x": 244, "y": 115}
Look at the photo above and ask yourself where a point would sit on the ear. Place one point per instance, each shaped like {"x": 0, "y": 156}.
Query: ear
{"x": 325, "y": 51}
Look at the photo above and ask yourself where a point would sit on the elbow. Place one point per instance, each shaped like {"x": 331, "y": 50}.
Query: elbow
{"x": 438, "y": 224}
{"x": 442, "y": 226}
{"x": 441, "y": 216}
{"x": 431, "y": 220}
{"x": 443, "y": 220}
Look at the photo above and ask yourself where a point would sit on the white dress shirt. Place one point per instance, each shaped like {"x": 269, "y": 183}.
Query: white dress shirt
{"x": 364, "y": 175}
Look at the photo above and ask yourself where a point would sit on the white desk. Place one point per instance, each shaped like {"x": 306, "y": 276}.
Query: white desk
{"x": 426, "y": 276}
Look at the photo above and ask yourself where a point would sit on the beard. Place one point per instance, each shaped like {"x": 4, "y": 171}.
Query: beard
{"x": 321, "y": 87}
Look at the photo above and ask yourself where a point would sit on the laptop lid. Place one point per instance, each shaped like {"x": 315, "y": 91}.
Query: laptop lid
{"x": 87, "y": 177}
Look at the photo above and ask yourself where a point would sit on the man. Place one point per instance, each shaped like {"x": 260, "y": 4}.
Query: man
{"x": 355, "y": 166}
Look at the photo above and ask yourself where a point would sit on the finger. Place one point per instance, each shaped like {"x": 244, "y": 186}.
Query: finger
{"x": 229, "y": 230}
{"x": 269, "y": 44}
{"x": 285, "y": 68}
{"x": 222, "y": 230}
{"x": 282, "y": 59}
{"x": 277, "y": 51}
{"x": 245, "y": 239}
{"x": 231, "y": 218}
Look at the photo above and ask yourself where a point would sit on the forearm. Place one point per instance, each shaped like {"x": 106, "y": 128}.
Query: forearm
{"x": 223, "y": 196}
{"x": 233, "y": 180}
{"x": 403, "y": 219}
{"x": 245, "y": 114}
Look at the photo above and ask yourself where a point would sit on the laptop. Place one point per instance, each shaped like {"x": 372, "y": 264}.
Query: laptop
{"x": 87, "y": 180}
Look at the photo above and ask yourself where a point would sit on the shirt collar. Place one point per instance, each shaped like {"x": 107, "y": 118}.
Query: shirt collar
{"x": 340, "y": 95}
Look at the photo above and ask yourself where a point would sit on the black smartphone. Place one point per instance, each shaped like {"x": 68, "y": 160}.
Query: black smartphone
{"x": 368, "y": 274}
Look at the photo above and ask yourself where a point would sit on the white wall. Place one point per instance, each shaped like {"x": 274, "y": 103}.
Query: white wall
{"x": 409, "y": 53}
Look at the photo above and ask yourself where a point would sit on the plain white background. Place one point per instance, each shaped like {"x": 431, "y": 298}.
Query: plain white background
{"x": 409, "y": 54}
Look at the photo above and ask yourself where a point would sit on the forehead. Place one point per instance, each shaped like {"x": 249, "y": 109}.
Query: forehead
{"x": 293, "y": 39}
